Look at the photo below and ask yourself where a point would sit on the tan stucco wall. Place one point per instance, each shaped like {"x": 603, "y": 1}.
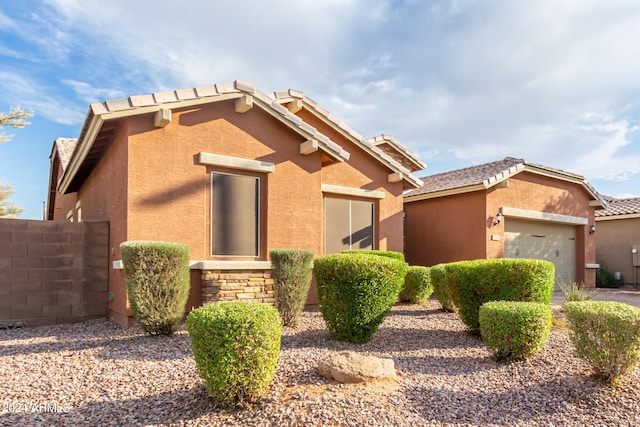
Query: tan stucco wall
{"x": 614, "y": 241}
{"x": 460, "y": 227}
{"x": 150, "y": 186}
{"x": 445, "y": 229}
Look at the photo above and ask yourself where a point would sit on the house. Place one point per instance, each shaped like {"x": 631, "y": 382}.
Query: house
{"x": 617, "y": 236}
{"x": 232, "y": 172}
{"x": 509, "y": 208}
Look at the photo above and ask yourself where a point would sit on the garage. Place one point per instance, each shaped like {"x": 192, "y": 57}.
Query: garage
{"x": 543, "y": 240}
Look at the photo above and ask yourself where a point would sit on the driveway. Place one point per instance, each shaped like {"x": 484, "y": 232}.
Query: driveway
{"x": 627, "y": 294}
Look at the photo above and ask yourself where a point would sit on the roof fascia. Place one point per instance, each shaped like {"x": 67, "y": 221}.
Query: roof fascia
{"x": 614, "y": 217}
{"x": 444, "y": 193}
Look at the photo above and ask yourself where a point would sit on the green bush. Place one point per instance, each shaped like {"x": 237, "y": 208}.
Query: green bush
{"x": 607, "y": 335}
{"x": 441, "y": 286}
{"x": 236, "y": 347}
{"x": 157, "y": 280}
{"x": 514, "y": 330}
{"x": 389, "y": 254}
{"x": 472, "y": 283}
{"x": 606, "y": 279}
{"x": 292, "y": 276}
{"x": 417, "y": 287}
{"x": 356, "y": 291}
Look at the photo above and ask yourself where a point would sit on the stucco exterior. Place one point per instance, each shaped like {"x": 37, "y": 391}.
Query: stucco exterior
{"x": 461, "y": 223}
{"x": 617, "y": 235}
{"x": 150, "y": 184}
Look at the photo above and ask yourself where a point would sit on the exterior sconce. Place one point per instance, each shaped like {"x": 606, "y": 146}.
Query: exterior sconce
{"x": 592, "y": 230}
{"x": 498, "y": 218}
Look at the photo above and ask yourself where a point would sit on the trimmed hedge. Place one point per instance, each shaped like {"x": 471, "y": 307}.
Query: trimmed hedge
{"x": 417, "y": 287}
{"x": 514, "y": 330}
{"x": 390, "y": 254}
{"x": 157, "y": 280}
{"x": 607, "y": 335}
{"x": 236, "y": 347}
{"x": 441, "y": 286}
{"x": 292, "y": 273}
{"x": 356, "y": 291}
{"x": 472, "y": 283}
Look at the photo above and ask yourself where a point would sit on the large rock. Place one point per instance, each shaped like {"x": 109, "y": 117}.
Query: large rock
{"x": 351, "y": 367}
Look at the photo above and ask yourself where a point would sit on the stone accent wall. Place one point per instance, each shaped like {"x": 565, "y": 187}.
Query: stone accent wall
{"x": 237, "y": 285}
{"x": 52, "y": 272}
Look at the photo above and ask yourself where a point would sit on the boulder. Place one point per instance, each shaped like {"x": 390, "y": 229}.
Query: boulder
{"x": 351, "y": 367}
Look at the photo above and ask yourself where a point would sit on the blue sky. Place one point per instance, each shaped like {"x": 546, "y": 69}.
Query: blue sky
{"x": 556, "y": 82}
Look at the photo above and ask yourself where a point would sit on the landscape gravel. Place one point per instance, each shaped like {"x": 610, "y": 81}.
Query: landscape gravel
{"x": 97, "y": 373}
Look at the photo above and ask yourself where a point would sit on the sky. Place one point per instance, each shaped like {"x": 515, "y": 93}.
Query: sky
{"x": 459, "y": 82}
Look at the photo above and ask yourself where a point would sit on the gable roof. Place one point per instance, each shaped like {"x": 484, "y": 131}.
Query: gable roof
{"x": 64, "y": 147}
{"x": 487, "y": 175}
{"x": 96, "y": 130}
{"x": 620, "y": 208}
{"x": 406, "y": 156}
{"x": 296, "y": 100}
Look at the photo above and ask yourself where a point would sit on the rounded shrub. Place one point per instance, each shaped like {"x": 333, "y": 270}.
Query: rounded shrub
{"x": 356, "y": 291}
{"x": 292, "y": 273}
{"x": 390, "y": 254}
{"x": 417, "y": 287}
{"x": 472, "y": 283}
{"x": 514, "y": 330}
{"x": 236, "y": 347}
{"x": 607, "y": 335}
{"x": 157, "y": 279}
{"x": 441, "y": 286}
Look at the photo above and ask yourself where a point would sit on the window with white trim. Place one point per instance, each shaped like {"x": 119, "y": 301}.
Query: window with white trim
{"x": 348, "y": 224}
{"x": 235, "y": 215}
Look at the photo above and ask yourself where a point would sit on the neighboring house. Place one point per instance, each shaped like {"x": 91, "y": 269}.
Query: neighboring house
{"x": 233, "y": 173}
{"x": 618, "y": 234}
{"x": 509, "y": 208}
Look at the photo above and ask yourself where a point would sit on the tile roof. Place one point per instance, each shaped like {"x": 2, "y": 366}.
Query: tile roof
{"x": 617, "y": 207}
{"x": 489, "y": 174}
{"x": 485, "y": 174}
{"x": 65, "y": 147}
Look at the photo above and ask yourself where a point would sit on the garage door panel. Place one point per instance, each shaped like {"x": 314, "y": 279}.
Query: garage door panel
{"x": 541, "y": 240}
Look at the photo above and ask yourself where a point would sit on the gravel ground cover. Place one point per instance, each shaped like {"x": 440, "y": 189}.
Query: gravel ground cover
{"x": 97, "y": 373}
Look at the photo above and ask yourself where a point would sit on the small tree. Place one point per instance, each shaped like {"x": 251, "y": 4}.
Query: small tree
{"x": 7, "y": 208}
{"x": 15, "y": 118}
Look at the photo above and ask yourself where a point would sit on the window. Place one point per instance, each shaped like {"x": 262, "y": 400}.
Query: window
{"x": 348, "y": 224}
{"x": 235, "y": 210}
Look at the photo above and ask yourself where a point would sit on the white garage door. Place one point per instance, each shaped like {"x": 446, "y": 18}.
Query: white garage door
{"x": 542, "y": 240}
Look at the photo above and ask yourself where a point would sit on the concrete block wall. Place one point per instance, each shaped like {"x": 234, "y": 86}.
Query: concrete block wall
{"x": 53, "y": 272}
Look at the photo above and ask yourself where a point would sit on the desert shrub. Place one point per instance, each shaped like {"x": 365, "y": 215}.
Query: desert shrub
{"x": 575, "y": 291}
{"x": 236, "y": 347}
{"x": 389, "y": 254}
{"x": 606, "y": 279}
{"x": 356, "y": 291}
{"x": 157, "y": 280}
{"x": 514, "y": 330}
{"x": 607, "y": 335}
{"x": 472, "y": 283}
{"x": 441, "y": 286}
{"x": 417, "y": 287}
{"x": 291, "y": 271}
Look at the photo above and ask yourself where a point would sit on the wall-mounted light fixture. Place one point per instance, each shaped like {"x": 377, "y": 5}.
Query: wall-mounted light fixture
{"x": 592, "y": 230}
{"x": 498, "y": 218}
